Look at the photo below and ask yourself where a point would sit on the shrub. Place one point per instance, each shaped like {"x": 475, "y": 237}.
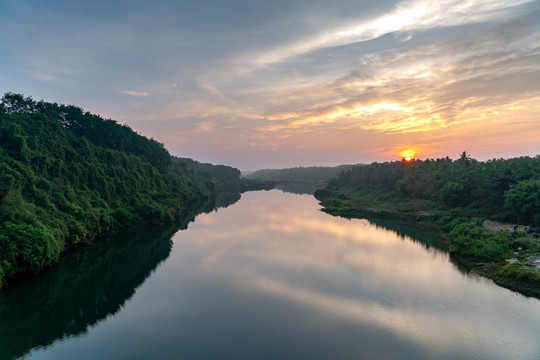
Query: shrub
{"x": 471, "y": 240}
{"x": 29, "y": 247}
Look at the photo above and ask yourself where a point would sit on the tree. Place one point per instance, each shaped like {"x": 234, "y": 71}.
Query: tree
{"x": 452, "y": 194}
{"x": 13, "y": 103}
{"x": 464, "y": 159}
{"x": 524, "y": 199}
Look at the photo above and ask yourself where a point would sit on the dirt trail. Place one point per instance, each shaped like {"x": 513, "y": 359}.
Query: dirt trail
{"x": 496, "y": 226}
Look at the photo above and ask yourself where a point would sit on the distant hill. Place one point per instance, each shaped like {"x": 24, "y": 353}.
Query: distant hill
{"x": 226, "y": 178}
{"x": 299, "y": 180}
{"x": 221, "y": 173}
{"x": 313, "y": 173}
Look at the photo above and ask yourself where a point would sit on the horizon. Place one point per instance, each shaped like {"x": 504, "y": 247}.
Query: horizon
{"x": 258, "y": 85}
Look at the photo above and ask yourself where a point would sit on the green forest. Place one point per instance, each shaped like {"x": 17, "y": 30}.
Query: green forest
{"x": 226, "y": 178}
{"x": 68, "y": 176}
{"x": 501, "y": 189}
{"x": 456, "y": 196}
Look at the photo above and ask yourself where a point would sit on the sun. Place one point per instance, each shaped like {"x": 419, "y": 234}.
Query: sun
{"x": 408, "y": 155}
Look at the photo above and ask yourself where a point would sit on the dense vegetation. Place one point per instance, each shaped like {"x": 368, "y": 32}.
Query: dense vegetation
{"x": 506, "y": 190}
{"x": 456, "y": 196}
{"x": 226, "y": 178}
{"x": 67, "y": 176}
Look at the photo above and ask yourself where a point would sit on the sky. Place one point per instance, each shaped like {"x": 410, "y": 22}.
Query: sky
{"x": 283, "y": 83}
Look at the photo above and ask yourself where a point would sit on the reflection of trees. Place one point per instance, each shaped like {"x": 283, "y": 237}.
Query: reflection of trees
{"x": 88, "y": 285}
{"x": 427, "y": 237}
{"x": 226, "y": 198}
{"x": 300, "y": 188}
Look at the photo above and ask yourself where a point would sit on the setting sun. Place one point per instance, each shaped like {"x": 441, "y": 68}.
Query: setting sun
{"x": 408, "y": 155}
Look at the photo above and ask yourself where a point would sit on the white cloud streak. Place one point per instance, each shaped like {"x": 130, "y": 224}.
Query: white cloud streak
{"x": 407, "y": 16}
{"x": 135, "y": 93}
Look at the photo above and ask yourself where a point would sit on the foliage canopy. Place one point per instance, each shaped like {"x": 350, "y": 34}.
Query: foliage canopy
{"x": 67, "y": 176}
{"x": 502, "y": 189}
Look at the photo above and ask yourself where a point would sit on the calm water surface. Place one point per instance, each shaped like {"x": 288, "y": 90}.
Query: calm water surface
{"x": 269, "y": 277}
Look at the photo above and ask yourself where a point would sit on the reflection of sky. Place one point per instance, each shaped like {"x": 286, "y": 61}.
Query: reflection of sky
{"x": 360, "y": 273}
{"x": 271, "y": 277}
{"x": 244, "y": 82}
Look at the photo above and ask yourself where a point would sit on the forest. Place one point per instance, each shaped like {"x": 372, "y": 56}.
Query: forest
{"x": 501, "y": 189}
{"x": 68, "y": 176}
{"x": 227, "y": 178}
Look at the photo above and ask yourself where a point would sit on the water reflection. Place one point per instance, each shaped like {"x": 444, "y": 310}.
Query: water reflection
{"x": 272, "y": 277}
{"x": 225, "y": 199}
{"x": 87, "y": 286}
{"x": 364, "y": 274}
{"x": 424, "y": 236}
{"x": 300, "y": 188}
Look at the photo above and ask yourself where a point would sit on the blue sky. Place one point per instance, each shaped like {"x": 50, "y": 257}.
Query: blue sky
{"x": 258, "y": 84}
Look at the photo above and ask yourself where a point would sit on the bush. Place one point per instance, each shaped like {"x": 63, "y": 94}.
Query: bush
{"x": 124, "y": 217}
{"x": 525, "y": 243}
{"x": 516, "y": 272}
{"x": 28, "y": 247}
{"x": 468, "y": 239}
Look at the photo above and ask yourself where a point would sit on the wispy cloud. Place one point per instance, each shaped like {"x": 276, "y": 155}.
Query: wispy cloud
{"x": 135, "y": 93}
{"x": 429, "y": 85}
{"x": 205, "y": 126}
{"x": 406, "y": 17}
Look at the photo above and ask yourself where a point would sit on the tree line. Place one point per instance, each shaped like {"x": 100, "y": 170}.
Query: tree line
{"x": 501, "y": 189}
{"x": 299, "y": 174}
{"x": 226, "y": 178}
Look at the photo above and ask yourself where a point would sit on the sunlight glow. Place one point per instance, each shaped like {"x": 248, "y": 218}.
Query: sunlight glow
{"x": 383, "y": 106}
{"x": 408, "y": 155}
{"x": 424, "y": 93}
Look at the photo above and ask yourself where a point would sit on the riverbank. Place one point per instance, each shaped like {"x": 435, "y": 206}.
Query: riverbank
{"x": 502, "y": 252}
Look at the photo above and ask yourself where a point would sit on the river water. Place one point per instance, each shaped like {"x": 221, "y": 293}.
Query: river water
{"x": 269, "y": 277}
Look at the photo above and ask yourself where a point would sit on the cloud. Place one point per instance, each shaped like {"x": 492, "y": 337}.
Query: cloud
{"x": 432, "y": 83}
{"x": 134, "y": 93}
{"x": 214, "y": 91}
{"x": 302, "y": 75}
{"x": 205, "y": 126}
{"x": 406, "y": 17}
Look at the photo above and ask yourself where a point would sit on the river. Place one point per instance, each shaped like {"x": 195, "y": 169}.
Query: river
{"x": 269, "y": 277}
